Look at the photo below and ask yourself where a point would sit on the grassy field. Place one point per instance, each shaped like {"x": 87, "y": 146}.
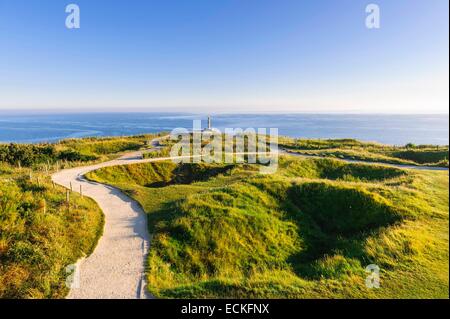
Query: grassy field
{"x": 428, "y": 155}
{"x": 226, "y": 231}
{"x": 40, "y": 235}
{"x": 106, "y": 146}
{"x": 71, "y": 152}
{"x": 307, "y": 231}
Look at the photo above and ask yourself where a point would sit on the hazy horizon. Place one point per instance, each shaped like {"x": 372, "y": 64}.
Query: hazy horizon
{"x": 37, "y": 111}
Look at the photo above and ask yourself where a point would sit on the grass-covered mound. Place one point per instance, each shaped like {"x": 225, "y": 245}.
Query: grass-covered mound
{"x": 342, "y": 211}
{"x": 410, "y": 154}
{"x": 40, "y": 235}
{"x": 159, "y": 174}
{"x": 338, "y": 170}
{"x": 422, "y": 156}
{"x": 307, "y": 231}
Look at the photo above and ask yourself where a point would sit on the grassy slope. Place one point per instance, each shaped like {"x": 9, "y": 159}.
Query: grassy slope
{"x": 36, "y": 246}
{"x": 307, "y": 231}
{"x": 39, "y": 235}
{"x": 71, "y": 152}
{"x": 106, "y": 146}
{"x": 374, "y": 152}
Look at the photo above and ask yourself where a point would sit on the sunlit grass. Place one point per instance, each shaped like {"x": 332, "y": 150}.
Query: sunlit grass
{"x": 40, "y": 234}
{"x": 307, "y": 231}
{"x": 430, "y": 155}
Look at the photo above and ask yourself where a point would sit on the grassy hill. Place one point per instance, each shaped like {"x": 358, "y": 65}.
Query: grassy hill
{"x": 40, "y": 235}
{"x": 307, "y": 231}
{"x": 410, "y": 154}
{"x": 226, "y": 231}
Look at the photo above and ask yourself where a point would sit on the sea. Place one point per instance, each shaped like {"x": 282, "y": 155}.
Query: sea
{"x": 382, "y": 128}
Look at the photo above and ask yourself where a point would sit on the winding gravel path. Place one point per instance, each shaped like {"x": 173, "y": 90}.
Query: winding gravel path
{"x": 116, "y": 267}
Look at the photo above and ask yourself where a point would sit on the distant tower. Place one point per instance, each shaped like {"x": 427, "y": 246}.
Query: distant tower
{"x": 210, "y": 129}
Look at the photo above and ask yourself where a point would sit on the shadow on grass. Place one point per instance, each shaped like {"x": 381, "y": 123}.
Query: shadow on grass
{"x": 334, "y": 223}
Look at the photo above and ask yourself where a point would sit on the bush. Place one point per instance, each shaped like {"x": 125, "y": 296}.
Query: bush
{"x": 75, "y": 156}
{"x": 26, "y": 154}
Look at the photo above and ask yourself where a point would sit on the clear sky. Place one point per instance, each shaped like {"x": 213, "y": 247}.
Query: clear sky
{"x": 225, "y": 56}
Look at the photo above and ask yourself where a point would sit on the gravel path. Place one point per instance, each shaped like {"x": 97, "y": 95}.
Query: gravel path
{"x": 116, "y": 267}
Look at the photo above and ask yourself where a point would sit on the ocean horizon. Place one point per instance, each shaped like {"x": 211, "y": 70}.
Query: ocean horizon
{"x": 383, "y": 128}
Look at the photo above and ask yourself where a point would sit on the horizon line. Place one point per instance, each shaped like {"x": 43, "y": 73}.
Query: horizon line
{"x": 146, "y": 110}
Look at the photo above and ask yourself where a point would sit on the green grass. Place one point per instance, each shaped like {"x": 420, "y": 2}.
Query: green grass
{"x": 307, "y": 231}
{"x": 228, "y": 144}
{"x": 71, "y": 152}
{"x": 108, "y": 145}
{"x": 422, "y": 156}
{"x": 39, "y": 235}
{"x": 427, "y": 155}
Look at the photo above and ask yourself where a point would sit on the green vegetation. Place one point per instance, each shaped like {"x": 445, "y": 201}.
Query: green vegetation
{"x": 426, "y": 156}
{"x": 410, "y": 154}
{"x": 106, "y": 145}
{"x": 160, "y": 174}
{"x": 40, "y": 235}
{"x": 307, "y": 231}
{"x": 70, "y": 152}
{"x": 164, "y": 151}
{"x": 229, "y": 144}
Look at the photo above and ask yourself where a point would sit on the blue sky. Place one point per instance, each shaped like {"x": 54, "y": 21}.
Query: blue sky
{"x": 225, "y": 56}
